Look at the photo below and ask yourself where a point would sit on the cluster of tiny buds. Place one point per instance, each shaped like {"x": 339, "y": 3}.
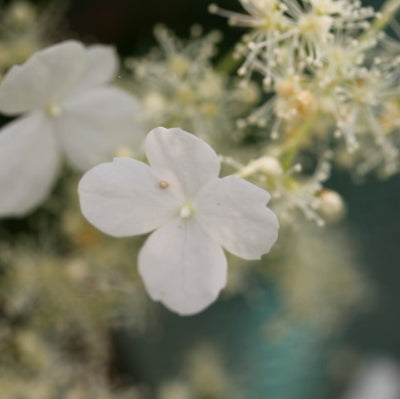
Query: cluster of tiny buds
{"x": 292, "y": 30}
{"x": 291, "y": 191}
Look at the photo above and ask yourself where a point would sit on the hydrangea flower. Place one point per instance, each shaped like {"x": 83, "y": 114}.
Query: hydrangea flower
{"x": 67, "y": 107}
{"x": 194, "y": 214}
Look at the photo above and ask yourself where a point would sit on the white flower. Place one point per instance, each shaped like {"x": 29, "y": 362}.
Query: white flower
{"x": 194, "y": 212}
{"x": 292, "y": 34}
{"x": 68, "y": 107}
{"x": 379, "y": 378}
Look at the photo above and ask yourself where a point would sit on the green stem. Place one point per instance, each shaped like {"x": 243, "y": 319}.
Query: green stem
{"x": 291, "y": 149}
{"x": 389, "y": 10}
{"x": 228, "y": 64}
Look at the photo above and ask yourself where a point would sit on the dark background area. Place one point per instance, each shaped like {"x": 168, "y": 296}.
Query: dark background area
{"x": 129, "y": 23}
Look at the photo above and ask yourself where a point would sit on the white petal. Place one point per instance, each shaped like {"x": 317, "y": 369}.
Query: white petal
{"x": 29, "y": 163}
{"x": 124, "y": 198}
{"x": 94, "y": 125}
{"x": 377, "y": 379}
{"x": 233, "y": 211}
{"x": 102, "y": 66}
{"x": 189, "y": 158}
{"x": 47, "y": 76}
{"x": 182, "y": 267}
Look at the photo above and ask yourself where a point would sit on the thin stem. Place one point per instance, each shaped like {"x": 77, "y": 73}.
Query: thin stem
{"x": 228, "y": 63}
{"x": 389, "y": 10}
{"x": 291, "y": 148}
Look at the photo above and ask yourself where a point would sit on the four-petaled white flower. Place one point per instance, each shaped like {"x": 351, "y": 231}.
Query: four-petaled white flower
{"x": 194, "y": 214}
{"x": 69, "y": 108}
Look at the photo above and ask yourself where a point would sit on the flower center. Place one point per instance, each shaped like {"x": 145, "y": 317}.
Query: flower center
{"x": 187, "y": 210}
{"x": 53, "y": 109}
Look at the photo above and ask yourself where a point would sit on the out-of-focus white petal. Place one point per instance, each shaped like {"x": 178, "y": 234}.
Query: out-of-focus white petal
{"x": 182, "y": 267}
{"x": 101, "y": 67}
{"x": 190, "y": 159}
{"x": 378, "y": 379}
{"x": 95, "y": 124}
{"x": 29, "y": 163}
{"x": 47, "y": 76}
{"x": 124, "y": 198}
{"x": 233, "y": 211}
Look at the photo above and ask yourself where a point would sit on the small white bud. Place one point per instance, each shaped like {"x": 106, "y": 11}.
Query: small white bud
{"x": 212, "y": 8}
{"x": 331, "y": 206}
{"x": 297, "y": 168}
{"x": 242, "y": 71}
{"x": 271, "y": 166}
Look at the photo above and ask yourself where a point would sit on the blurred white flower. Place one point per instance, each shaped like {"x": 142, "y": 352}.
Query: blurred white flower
{"x": 193, "y": 211}
{"x": 377, "y": 379}
{"x": 180, "y": 87}
{"x": 69, "y": 108}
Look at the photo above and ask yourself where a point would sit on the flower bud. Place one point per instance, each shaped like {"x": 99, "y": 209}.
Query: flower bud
{"x": 331, "y": 206}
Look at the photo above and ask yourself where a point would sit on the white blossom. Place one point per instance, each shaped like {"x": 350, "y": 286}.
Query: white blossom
{"x": 193, "y": 212}
{"x": 379, "y": 378}
{"x": 179, "y": 86}
{"x": 68, "y": 107}
{"x": 291, "y": 33}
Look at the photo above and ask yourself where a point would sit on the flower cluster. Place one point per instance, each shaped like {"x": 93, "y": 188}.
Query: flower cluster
{"x": 180, "y": 195}
{"x": 328, "y": 62}
{"x": 318, "y": 84}
{"x": 179, "y": 86}
{"x": 291, "y": 34}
